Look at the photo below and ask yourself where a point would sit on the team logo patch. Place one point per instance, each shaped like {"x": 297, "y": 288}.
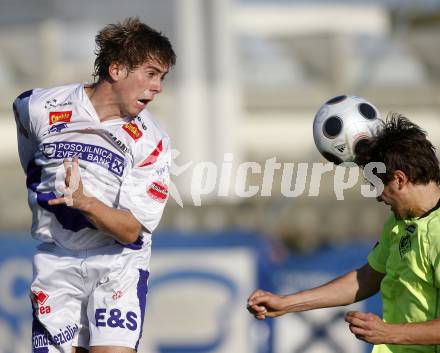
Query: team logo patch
{"x": 158, "y": 191}
{"x": 40, "y": 297}
{"x": 152, "y": 158}
{"x": 57, "y": 128}
{"x": 133, "y": 130}
{"x": 60, "y": 117}
{"x": 411, "y": 228}
{"x": 116, "y": 295}
{"x": 53, "y": 103}
{"x": 404, "y": 245}
{"x": 341, "y": 148}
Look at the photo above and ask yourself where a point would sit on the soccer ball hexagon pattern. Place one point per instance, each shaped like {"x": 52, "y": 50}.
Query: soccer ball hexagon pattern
{"x": 342, "y": 126}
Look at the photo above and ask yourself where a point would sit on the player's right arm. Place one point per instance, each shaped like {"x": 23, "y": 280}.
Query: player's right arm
{"x": 346, "y": 289}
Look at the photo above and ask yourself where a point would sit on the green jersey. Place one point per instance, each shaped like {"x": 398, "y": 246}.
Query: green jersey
{"x": 408, "y": 253}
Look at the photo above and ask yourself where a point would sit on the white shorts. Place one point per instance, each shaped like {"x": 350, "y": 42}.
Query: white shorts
{"x": 88, "y": 298}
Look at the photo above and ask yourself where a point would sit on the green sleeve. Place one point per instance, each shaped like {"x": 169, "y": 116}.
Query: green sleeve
{"x": 378, "y": 256}
{"x": 433, "y": 230}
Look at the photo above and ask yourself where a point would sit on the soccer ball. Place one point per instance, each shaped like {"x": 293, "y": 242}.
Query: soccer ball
{"x": 342, "y": 126}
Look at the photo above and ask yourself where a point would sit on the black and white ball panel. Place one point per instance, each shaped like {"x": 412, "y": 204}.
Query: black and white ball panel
{"x": 332, "y": 127}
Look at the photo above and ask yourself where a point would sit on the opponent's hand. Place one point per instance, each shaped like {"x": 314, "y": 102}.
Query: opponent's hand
{"x": 368, "y": 327}
{"x": 73, "y": 192}
{"x": 264, "y": 304}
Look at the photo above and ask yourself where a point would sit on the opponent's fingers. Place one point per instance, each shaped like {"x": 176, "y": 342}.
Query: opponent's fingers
{"x": 360, "y": 334}
{"x": 257, "y": 309}
{"x": 259, "y": 296}
{"x": 361, "y": 338}
{"x": 358, "y": 323}
{"x": 75, "y": 166}
{"x": 258, "y": 312}
{"x": 258, "y": 302}
{"x": 68, "y": 176}
{"x": 256, "y": 293}
{"x": 356, "y": 314}
{"x": 57, "y": 201}
{"x": 356, "y": 330}
{"x": 76, "y": 175}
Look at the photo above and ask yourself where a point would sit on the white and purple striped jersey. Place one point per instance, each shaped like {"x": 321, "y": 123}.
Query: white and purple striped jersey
{"x": 124, "y": 163}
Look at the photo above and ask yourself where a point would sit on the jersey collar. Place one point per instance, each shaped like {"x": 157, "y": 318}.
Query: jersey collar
{"x": 436, "y": 207}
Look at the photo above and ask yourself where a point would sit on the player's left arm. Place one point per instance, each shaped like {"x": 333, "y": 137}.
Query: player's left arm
{"x": 372, "y": 329}
{"x": 121, "y": 224}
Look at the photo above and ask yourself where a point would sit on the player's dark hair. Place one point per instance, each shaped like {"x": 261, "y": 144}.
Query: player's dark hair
{"x": 402, "y": 145}
{"x": 130, "y": 43}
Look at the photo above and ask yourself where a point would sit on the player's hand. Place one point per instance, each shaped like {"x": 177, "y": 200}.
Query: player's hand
{"x": 73, "y": 192}
{"x": 264, "y": 304}
{"x": 368, "y": 327}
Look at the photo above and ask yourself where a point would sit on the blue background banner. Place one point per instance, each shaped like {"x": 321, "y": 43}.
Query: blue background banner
{"x": 183, "y": 260}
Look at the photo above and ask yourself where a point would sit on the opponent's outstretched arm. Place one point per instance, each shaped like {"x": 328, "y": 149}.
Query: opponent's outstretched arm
{"x": 121, "y": 224}
{"x": 346, "y": 289}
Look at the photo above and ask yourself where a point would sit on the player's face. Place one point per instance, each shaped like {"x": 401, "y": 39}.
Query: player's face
{"x": 135, "y": 89}
{"x": 393, "y": 196}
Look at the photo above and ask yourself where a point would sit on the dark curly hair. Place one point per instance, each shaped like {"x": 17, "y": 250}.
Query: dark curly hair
{"x": 130, "y": 43}
{"x": 402, "y": 145}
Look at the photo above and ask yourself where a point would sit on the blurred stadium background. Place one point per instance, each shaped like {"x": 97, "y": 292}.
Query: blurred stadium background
{"x": 250, "y": 76}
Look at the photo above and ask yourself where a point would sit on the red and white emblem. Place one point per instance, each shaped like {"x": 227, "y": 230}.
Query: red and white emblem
{"x": 60, "y": 117}
{"x": 152, "y": 158}
{"x": 133, "y": 130}
{"x": 40, "y": 297}
{"x": 158, "y": 191}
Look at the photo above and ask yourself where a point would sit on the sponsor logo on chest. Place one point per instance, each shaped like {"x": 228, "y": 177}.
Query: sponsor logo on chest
{"x": 60, "y": 117}
{"x": 86, "y": 152}
{"x": 133, "y": 130}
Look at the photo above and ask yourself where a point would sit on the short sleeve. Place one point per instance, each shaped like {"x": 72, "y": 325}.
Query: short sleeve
{"x": 433, "y": 230}
{"x": 144, "y": 191}
{"x": 25, "y": 139}
{"x": 378, "y": 256}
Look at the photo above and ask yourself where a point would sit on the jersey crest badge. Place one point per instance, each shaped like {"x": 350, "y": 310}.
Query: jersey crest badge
{"x": 404, "y": 245}
{"x": 133, "y": 130}
{"x": 411, "y": 229}
{"x": 60, "y": 117}
{"x": 158, "y": 191}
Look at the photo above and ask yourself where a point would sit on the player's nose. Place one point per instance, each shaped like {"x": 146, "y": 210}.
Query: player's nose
{"x": 156, "y": 86}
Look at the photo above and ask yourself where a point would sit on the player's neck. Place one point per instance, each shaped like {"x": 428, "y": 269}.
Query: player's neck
{"x": 426, "y": 198}
{"x": 102, "y": 98}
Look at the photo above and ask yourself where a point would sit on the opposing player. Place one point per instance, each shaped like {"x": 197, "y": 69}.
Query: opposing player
{"x": 97, "y": 168}
{"x": 405, "y": 263}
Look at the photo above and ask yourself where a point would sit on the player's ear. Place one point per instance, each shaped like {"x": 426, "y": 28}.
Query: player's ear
{"x": 116, "y": 71}
{"x": 400, "y": 178}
